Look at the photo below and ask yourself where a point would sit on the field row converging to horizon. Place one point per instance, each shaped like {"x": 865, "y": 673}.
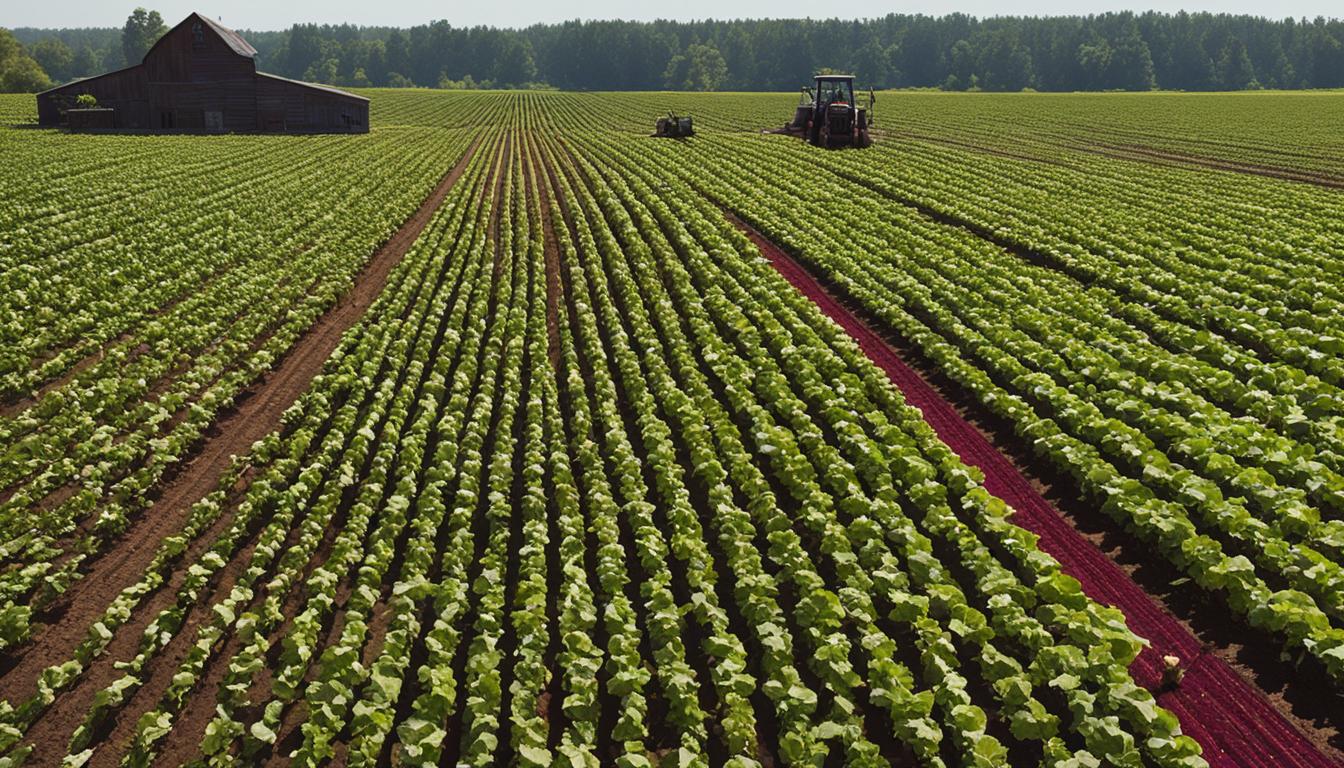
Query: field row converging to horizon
{"x": 508, "y": 434}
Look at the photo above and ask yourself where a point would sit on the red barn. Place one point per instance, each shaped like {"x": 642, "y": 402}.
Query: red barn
{"x": 202, "y": 77}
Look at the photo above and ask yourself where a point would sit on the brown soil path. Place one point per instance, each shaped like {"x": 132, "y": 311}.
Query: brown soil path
{"x": 1230, "y": 717}
{"x": 1150, "y": 155}
{"x": 981, "y": 148}
{"x": 257, "y": 412}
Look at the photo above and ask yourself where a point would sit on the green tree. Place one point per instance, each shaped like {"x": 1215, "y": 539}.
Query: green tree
{"x": 1125, "y": 64}
{"x": 1324, "y": 57}
{"x": 962, "y": 66}
{"x": 19, "y": 73}
{"x": 1283, "y": 75}
{"x": 1094, "y": 59}
{"x": 55, "y": 57}
{"x": 674, "y": 76}
{"x": 1234, "y": 69}
{"x": 700, "y": 68}
{"x": 304, "y": 50}
{"x": 1005, "y": 64}
{"x": 1111, "y": 51}
{"x": 872, "y": 64}
{"x": 375, "y": 62}
{"x": 398, "y": 50}
{"x": 706, "y": 70}
{"x": 1131, "y": 62}
{"x": 86, "y": 63}
{"x": 359, "y": 79}
{"x": 1190, "y": 67}
{"x": 143, "y": 29}
{"x": 327, "y": 70}
{"x": 514, "y": 65}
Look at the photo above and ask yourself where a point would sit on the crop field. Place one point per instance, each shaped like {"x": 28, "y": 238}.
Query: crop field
{"x": 505, "y": 434}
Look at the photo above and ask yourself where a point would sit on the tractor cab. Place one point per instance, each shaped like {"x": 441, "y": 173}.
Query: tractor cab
{"x": 834, "y": 89}
{"x": 830, "y": 115}
{"x": 837, "y": 118}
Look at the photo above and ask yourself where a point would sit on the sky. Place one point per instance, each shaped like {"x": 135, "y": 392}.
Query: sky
{"x": 280, "y": 14}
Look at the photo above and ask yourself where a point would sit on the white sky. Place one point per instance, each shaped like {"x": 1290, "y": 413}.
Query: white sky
{"x": 273, "y": 14}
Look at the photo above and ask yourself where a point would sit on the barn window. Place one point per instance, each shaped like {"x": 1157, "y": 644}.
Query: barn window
{"x": 197, "y": 35}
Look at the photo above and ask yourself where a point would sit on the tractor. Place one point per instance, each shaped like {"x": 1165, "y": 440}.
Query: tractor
{"x": 673, "y": 127}
{"x": 830, "y": 116}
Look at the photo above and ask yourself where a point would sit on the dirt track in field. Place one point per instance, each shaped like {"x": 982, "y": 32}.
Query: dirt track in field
{"x": 981, "y": 148}
{"x": 1153, "y": 156}
{"x": 1142, "y": 154}
{"x": 1232, "y": 719}
{"x": 256, "y": 413}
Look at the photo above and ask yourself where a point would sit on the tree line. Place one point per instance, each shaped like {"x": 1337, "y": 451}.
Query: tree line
{"x": 33, "y": 59}
{"x": 1112, "y": 51}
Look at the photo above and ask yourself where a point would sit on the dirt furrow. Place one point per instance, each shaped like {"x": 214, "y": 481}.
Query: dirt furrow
{"x": 256, "y": 413}
{"x": 1231, "y": 718}
{"x": 1153, "y": 156}
{"x": 971, "y": 146}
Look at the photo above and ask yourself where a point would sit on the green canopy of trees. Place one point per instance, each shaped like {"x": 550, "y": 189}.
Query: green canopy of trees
{"x": 1112, "y": 51}
{"x": 699, "y": 68}
{"x": 143, "y": 29}
{"x": 19, "y": 72}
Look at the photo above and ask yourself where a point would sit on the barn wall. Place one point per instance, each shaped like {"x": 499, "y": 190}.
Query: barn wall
{"x": 296, "y": 107}
{"x": 101, "y": 119}
{"x": 257, "y": 104}
{"x": 197, "y": 82}
{"x": 185, "y": 106}
{"x": 124, "y": 91}
{"x": 330, "y": 112}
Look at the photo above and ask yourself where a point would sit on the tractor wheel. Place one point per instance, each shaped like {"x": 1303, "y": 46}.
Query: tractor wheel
{"x": 865, "y": 140}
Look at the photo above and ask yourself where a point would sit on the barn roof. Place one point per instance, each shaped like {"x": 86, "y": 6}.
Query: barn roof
{"x": 87, "y": 79}
{"x": 314, "y": 86}
{"x": 234, "y": 40}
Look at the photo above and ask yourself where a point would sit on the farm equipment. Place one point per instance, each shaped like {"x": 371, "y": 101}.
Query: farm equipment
{"x": 830, "y": 116}
{"x": 673, "y": 127}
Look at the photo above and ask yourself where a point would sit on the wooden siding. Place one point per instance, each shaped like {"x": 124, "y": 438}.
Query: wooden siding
{"x": 124, "y": 91}
{"x": 303, "y": 108}
{"x": 92, "y": 119}
{"x": 181, "y": 57}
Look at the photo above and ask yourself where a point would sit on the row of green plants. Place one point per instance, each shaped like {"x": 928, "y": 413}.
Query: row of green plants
{"x": 1233, "y": 490}
{"x": 177, "y": 314}
{"x": 851, "y": 498}
{"x": 591, "y": 484}
{"x": 335, "y": 420}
